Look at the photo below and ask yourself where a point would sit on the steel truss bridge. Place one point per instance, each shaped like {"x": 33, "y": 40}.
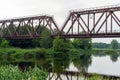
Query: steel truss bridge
{"x": 99, "y": 22}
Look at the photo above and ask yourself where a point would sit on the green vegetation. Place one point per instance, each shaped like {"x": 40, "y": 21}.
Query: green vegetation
{"x": 4, "y": 42}
{"x": 114, "y": 44}
{"x": 17, "y": 54}
{"x": 46, "y": 41}
{"x": 82, "y": 43}
{"x": 61, "y": 45}
{"x": 14, "y": 73}
{"x": 101, "y": 45}
{"x": 57, "y": 53}
{"x": 95, "y": 77}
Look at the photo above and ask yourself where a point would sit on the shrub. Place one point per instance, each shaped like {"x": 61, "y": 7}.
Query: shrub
{"x": 95, "y": 77}
{"x": 4, "y": 43}
{"x": 28, "y": 55}
{"x": 14, "y": 73}
{"x": 18, "y": 56}
{"x": 1, "y": 58}
{"x": 40, "y": 53}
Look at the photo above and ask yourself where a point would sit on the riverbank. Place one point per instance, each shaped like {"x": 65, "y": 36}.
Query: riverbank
{"x": 16, "y": 54}
{"x": 48, "y": 59}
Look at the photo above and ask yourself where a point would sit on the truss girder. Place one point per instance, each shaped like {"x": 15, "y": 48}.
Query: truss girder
{"x": 86, "y": 23}
{"x": 29, "y": 27}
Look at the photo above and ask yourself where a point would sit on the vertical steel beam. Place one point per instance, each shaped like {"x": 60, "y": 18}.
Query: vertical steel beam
{"x": 111, "y": 23}
{"x": 78, "y": 26}
{"x": 97, "y": 22}
{"x": 72, "y": 25}
{"x": 106, "y": 24}
{"x": 88, "y": 23}
{"x": 94, "y": 22}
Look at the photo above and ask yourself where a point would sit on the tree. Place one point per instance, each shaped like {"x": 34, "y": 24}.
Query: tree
{"x": 61, "y": 45}
{"x": 58, "y": 44}
{"x": 46, "y": 41}
{"x": 114, "y": 44}
{"x": 81, "y": 43}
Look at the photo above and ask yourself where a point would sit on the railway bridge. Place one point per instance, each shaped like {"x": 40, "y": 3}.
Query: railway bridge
{"x": 100, "y": 22}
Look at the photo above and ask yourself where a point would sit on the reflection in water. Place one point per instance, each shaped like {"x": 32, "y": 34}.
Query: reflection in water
{"x": 82, "y": 62}
{"x": 69, "y": 75}
{"x": 64, "y": 76}
{"x": 114, "y": 57}
{"x": 60, "y": 62}
{"x": 57, "y": 64}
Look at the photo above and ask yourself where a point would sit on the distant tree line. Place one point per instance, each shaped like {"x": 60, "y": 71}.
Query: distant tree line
{"x": 113, "y": 45}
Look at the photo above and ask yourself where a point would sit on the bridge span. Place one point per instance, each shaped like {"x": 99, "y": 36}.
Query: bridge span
{"x": 99, "y": 22}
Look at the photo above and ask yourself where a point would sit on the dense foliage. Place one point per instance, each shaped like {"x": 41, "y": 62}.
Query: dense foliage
{"x": 82, "y": 43}
{"x": 101, "y": 45}
{"x": 46, "y": 41}
{"x": 61, "y": 45}
{"x": 47, "y": 48}
{"x": 114, "y": 44}
{"x": 24, "y": 43}
{"x": 4, "y": 42}
{"x": 14, "y": 73}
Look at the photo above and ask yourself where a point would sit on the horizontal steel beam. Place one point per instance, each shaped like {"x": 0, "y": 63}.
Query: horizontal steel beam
{"x": 100, "y": 35}
{"x": 24, "y": 18}
{"x": 95, "y": 10}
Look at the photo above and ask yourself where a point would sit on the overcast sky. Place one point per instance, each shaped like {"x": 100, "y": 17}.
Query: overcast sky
{"x": 58, "y": 8}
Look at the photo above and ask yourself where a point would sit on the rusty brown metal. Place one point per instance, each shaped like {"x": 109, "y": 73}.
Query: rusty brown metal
{"x": 85, "y": 23}
{"x": 25, "y": 27}
{"x": 101, "y": 25}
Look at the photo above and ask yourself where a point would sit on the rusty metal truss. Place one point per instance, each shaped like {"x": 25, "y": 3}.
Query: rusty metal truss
{"x": 27, "y": 27}
{"x": 93, "y": 22}
{"x": 85, "y": 23}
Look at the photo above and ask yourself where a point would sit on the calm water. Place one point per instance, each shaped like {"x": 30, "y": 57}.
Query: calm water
{"x": 101, "y": 65}
{"x": 58, "y": 64}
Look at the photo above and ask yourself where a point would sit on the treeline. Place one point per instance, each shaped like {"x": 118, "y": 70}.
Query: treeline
{"x": 113, "y": 45}
{"x": 46, "y": 41}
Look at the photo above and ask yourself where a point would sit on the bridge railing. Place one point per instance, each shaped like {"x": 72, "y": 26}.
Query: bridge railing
{"x": 96, "y": 8}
